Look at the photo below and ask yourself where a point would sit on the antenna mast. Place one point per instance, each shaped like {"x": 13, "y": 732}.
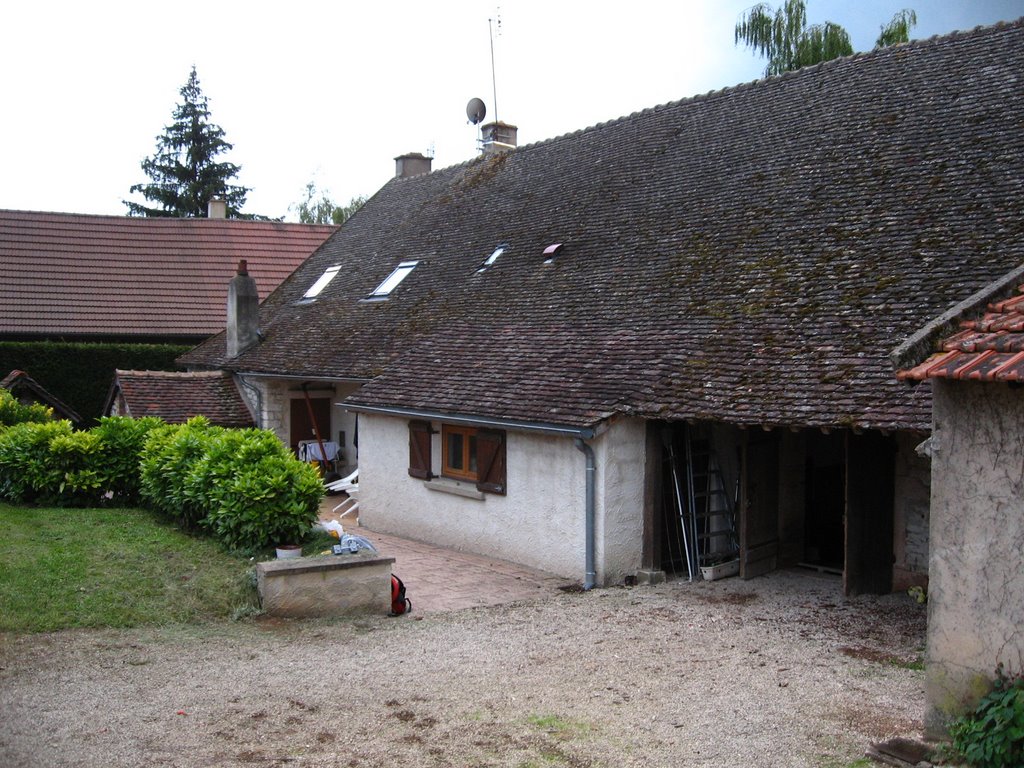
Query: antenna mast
{"x": 494, "y": 81}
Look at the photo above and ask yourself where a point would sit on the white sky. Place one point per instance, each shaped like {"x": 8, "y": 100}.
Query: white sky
{"x": 333, "y": 91}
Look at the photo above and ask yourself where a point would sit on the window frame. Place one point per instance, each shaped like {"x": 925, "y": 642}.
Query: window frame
{"x": 489, "y": 456}
{"x": 468, "y": 472}
{"x": 320, "y": 284}
{"x": 394, "y": 279}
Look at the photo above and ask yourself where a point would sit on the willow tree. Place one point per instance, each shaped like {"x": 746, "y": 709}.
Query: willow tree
{"x": 184, "y": 172}
{"x": 783, "y": 37}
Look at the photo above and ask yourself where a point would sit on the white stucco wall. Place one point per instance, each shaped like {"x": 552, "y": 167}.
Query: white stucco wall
{"x": 539, "y": 523}
{"x": 976, "y": 565}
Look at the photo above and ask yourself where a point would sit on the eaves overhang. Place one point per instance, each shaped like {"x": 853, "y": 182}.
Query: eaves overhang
{"x": 557, "y": 430}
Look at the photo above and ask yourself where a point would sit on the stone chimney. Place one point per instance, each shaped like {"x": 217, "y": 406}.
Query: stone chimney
{"x": 498, "y": 137}
{"x": 217, "y": 208}
{"x": 412, "y": 164}
{"x": 243, "y": 312}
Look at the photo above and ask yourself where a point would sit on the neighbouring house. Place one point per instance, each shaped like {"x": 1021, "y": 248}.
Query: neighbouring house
{"x": 137, "y": 291}
{"x": 976, "y": 566}
{"x": 28, "y": 391}
{"x": 660, "y": 343}
{"x": 176, "y": 397}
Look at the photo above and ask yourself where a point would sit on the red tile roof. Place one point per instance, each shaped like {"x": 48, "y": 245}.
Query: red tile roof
{"x": 72, "y": 275}
{"x": 176, "y": 397}
{"x": 990, "y": 348}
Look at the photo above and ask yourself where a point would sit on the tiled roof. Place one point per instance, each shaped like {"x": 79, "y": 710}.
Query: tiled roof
{"x": 176, "y": 397}
{"x": 68, "y": 275}
{"x": 988, "y": 348}
{"x": 27, "y": 389}
{"x": 749, "y": 255}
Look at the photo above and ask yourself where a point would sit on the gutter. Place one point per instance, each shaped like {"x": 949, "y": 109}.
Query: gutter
{"x": 579, "y": 436}
{"x": 558, "y": 430}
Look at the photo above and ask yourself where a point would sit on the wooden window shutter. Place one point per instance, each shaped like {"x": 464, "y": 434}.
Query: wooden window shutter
{"x": 419, "y": 449}
{"x": 490, "y": 461}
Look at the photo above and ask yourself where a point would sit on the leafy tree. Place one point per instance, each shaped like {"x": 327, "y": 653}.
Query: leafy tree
{"x": 788, "y": 43}
{"x": 897, "y": 30}
{"x": 318, "y": 208}
{"x": 184, "y": 170}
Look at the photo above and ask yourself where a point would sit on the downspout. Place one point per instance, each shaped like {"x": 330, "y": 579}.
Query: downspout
{"x": 588, "y": 451}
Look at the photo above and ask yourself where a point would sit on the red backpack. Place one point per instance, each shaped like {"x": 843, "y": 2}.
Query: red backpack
{"x": 399, "y": 602}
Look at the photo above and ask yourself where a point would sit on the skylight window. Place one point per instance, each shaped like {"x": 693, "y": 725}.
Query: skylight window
{"x": 321, "y": 283}
{"x": 489, "y": 261}
{"x": 392, "y": 281}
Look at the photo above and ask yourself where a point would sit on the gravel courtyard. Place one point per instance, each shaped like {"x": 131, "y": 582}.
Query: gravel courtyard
{"x": 779, "y": 671}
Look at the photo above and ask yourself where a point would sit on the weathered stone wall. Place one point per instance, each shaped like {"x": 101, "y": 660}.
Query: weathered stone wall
{"x": 270, "y": 400}
{"x": 911, "y": 513}
{"x": 975, "y": 606}
{"x": 333, "y": 585}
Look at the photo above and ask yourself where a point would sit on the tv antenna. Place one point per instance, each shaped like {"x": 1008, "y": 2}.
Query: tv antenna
{"x": 491, "y": 24}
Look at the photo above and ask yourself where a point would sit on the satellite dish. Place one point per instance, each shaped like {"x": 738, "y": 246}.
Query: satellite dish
{"x": 475, "y": 111}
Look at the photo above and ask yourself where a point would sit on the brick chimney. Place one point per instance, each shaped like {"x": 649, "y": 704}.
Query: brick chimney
{"x": 412, "y": 164}
{"x": 498, "y": 137}
{"x": 243, "y": 312}
{"x": 217, "y": 208}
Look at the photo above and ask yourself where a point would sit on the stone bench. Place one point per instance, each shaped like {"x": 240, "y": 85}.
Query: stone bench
{"x": 327, "y": 585}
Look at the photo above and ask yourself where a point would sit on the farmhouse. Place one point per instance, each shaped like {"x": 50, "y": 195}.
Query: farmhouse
{"x": 660, "y": 344}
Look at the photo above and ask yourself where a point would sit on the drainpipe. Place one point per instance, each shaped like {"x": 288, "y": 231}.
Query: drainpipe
{"x": 588, "y": 451}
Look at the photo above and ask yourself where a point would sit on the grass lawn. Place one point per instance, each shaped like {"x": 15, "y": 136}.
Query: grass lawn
{"x": 62, "y": 568}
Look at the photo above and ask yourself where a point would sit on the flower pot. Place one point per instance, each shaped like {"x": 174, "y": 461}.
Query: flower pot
{"x": 289, "y": 550}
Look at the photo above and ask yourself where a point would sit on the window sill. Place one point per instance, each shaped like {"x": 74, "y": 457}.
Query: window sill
{"x": 455, "y": 488}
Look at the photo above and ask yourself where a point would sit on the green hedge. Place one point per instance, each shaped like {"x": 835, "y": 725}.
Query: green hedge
{"x": 80, "y": 374}
{"x": 243, "y": 486}
{"x": 13, "y": 412}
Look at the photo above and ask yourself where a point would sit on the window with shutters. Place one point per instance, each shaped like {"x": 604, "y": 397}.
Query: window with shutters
{"x": 468, "y": 454}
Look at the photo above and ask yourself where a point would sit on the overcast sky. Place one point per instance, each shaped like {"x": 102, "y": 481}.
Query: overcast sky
{"x": 332, "y": 91}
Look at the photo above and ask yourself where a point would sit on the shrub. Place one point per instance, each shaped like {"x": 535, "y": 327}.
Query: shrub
{"x": 168, "y": 456}
{"x": 121, "y": 442}
{"x": 993, "y": 735}
{"x": 256, "y": 492}
{"x": 27, "y": 472}
{"x": 13, "y": 412}
{"x": 242, "y": 485}
{"x": 77, "y": 460}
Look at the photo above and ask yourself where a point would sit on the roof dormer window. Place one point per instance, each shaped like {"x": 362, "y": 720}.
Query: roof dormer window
{"x": 322, "y": 282}
{"x": 392, "y": 281}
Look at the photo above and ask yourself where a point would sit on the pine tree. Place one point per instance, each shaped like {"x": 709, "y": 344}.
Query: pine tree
{"x": 184, "y": 172}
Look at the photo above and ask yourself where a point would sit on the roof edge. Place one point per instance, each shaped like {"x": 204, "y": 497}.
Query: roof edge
{"x": 559, "y": 430}
{"x": 918, "y": 346}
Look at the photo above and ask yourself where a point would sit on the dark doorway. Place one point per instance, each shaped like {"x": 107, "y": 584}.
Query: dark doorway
{"x": 759, "y": 504}
{"x": 302, "y": 426}
{"x": 870, "y": 491}
{"x": 825, "y": 502}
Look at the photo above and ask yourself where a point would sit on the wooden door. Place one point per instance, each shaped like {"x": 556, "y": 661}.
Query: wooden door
{"x": 759, "y": 504}
{"x": 302, "y": 427}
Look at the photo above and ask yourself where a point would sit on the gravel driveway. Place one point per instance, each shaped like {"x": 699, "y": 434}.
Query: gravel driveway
{"x": 781, "y": 671}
